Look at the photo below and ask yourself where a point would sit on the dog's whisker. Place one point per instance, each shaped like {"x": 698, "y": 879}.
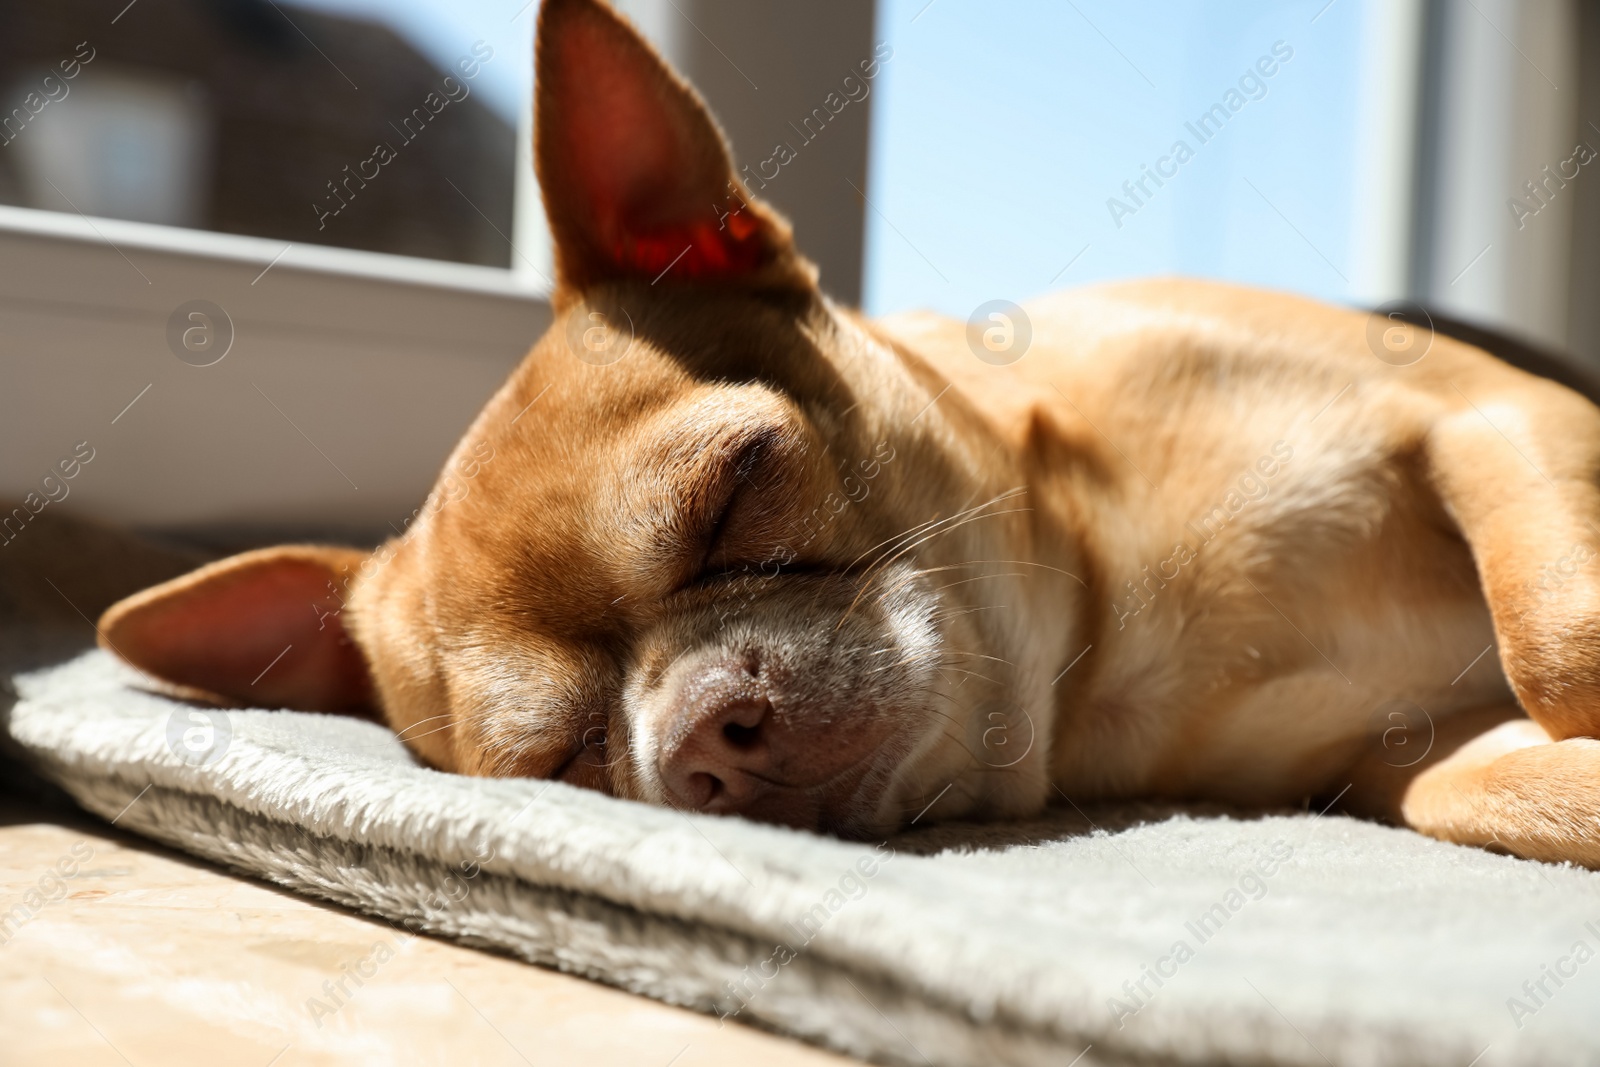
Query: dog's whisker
{"x": 405, "y": 735}
{"x": 955, "y": 523}
{"x": 922, "y": 534}
{"x": 979, "y": 578}
{"x": 871, "y": 578}
{"x": 919, "y": 527}
{"x": 940, "y": 616}
{"x": 971, "y": 674}
{"x": 430, "y": 733}
{"x": 945, "y": 526}
{"x": 976, "y": 655}
{"x": 1026, "y": 563}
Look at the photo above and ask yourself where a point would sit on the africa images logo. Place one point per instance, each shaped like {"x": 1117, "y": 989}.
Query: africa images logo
{"x": 199, "y": 736}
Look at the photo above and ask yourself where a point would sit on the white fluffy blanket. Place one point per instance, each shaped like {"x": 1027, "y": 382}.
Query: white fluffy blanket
{"x": 1140, "y": 935}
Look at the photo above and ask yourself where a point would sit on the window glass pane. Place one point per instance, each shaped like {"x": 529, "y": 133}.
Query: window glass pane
{"x": 389, "y": 126}
{"x": 1012, "y": 140}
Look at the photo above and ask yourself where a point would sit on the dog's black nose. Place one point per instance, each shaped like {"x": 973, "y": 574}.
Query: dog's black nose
{"x": 724, "y": 741}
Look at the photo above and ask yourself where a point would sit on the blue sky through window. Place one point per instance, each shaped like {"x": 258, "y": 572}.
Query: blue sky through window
{"x": 1001, "y": 131}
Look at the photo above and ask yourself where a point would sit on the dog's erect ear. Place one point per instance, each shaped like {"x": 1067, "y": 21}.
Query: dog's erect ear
{"x": 635, "y": 174}
{"x": 263, "y": 629}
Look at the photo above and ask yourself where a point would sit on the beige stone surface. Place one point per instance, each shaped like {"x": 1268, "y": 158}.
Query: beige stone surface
{"x": 149, "y": 958}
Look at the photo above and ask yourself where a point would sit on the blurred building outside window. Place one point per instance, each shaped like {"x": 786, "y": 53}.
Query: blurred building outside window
{"x": 273, "y": 119}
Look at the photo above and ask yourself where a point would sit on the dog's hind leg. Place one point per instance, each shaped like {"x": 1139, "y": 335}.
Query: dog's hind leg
{"x": 1516, "y": 463}
{"x": 1493, "y": 779}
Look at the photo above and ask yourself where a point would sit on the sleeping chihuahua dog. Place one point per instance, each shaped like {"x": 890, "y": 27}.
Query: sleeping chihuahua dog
{"x": 732, "y": 548}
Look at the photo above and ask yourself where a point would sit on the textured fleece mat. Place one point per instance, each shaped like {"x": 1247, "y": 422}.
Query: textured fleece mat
{"x": 1141, "y": 935}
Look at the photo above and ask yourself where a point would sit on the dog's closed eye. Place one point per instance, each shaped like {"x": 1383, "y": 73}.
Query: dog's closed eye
{"x": 710, "y": 486}
{"x": 749, "y": 477}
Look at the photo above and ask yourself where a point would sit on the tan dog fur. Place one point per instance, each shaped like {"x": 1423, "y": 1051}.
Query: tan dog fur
{"x": 1189, "y": 546}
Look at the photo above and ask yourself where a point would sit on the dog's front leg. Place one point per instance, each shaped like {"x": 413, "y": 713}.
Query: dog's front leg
{"x": 1496, "y": 779}
{"x": 1515, "y": 464}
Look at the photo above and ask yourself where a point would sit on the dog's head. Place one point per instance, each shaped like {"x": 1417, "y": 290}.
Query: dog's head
{"x": 714, "y": 545}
